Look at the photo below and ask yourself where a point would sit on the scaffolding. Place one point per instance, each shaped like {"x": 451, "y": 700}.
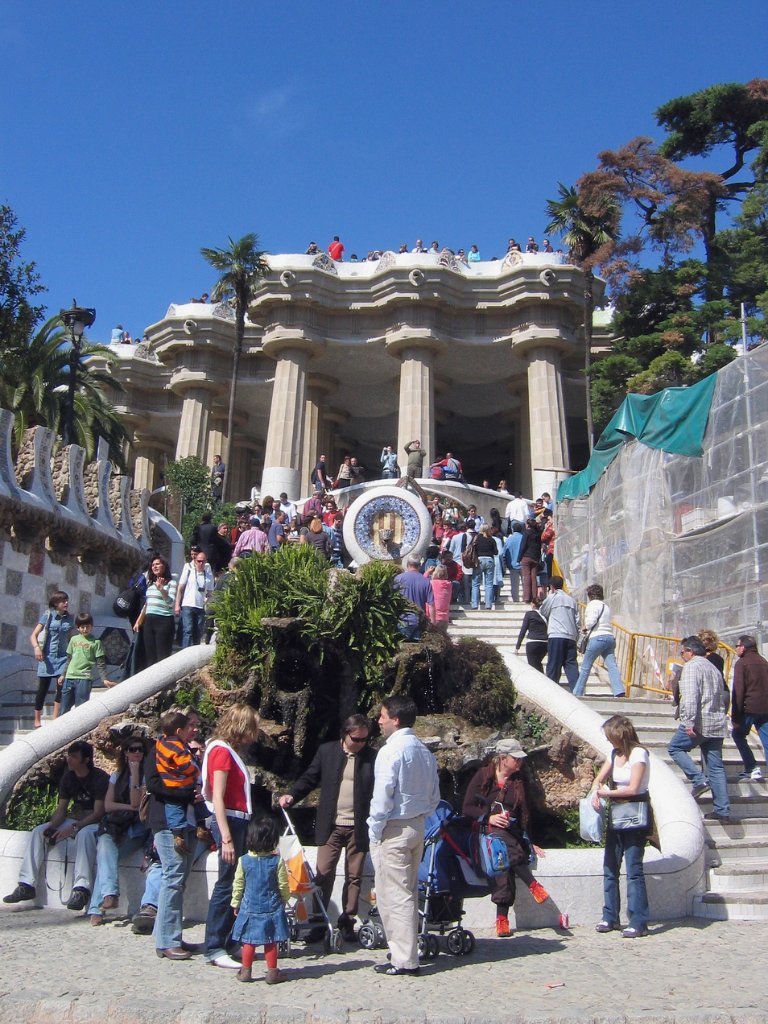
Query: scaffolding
{"x": 680, "y": 543}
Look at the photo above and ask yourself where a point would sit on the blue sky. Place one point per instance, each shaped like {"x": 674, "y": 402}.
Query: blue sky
{"x": 133, "y": 134}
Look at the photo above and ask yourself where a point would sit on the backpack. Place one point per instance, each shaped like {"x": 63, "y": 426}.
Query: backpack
{"x": 469, "y": 555}
{"x": 492, "y": 855}
{"x": 128, "y": 602}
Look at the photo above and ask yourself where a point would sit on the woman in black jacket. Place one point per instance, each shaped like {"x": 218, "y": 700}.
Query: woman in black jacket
{"x": 529, "y": 557}
{"x": 534, "y": 626}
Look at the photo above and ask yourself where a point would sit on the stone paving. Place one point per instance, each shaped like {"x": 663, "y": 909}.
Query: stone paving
{"x": 55, "y": 967}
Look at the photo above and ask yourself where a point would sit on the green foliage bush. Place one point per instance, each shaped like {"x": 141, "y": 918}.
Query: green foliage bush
{"x": 33, "y": 806}
{"x": 190, "y": 480}
{"x": 485, "y": 693}
{"x": 331, "y": 621}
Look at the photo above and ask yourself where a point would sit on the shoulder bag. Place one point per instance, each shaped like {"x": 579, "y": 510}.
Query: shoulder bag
{"x": 587, "y": 633}
{"x": 42, "y": 636}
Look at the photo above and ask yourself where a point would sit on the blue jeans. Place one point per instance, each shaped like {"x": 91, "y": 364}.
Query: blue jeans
{"x": 170, "y": 904}
{"x": 600, "y": 647}
{"x": 176, "y": 816}
{"x": 485, "y": 572}
{"x": 220, "y": 914}
{"x": 561, "y": 656}
{"x": 712, "y": 752}
{"x": 740, "y": 733}
{"x": 192, "y": 626}
{"x": 74, "y": 693}
{"x": 629, "y": 846}
{"x": 108, "y": 856}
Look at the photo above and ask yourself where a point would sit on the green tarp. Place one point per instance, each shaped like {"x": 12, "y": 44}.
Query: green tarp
{"x": 673, "y": 420}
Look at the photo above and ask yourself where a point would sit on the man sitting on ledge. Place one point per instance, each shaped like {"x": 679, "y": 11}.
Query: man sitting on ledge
{"x": 85, "y": 788}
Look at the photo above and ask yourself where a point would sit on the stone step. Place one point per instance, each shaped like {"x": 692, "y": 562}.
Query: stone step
{"x": 732, "y": 906}
{"x": 742, "y": 827}
{"x": 740, "y": 877}
{"x": 725, "y": 849}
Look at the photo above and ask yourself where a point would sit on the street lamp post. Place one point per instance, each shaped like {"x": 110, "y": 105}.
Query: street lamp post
{"x": 75, "y": 319}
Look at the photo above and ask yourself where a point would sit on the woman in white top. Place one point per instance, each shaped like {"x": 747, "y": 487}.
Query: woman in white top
{"x": 601, "y": 643}
{"x": 628, "y": 767}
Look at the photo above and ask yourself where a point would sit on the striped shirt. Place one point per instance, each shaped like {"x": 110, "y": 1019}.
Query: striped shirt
{"x": 159, "y": 605}
{"x": 174, "y": 763}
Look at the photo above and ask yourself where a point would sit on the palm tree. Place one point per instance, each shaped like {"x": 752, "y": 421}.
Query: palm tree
{"x": 585, "y": 229}
{"x": 241, "y": 266}
{"x": 34, "y": 383}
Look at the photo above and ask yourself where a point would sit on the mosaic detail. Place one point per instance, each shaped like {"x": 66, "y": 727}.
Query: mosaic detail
{"x": 13, "y": 582}
{"x": 387, "y": 528}
{"x": 8, "y": 637}
{"x": 31, "y": 614}
{"x": 324, "y": 262}
{"x": 36, "y": 562}
{"x": 116, "y": 644}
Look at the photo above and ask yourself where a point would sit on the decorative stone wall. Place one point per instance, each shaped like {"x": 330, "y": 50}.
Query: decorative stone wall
{"x": 58, "y": 532}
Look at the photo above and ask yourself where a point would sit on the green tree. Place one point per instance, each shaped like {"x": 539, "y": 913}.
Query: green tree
{"x": 19, "y": 284}
{"x": 588, "y": 228}
{"x": 34, "y": 373}
{"x": 189, "y": 481}
{"x": 241, "y": 266}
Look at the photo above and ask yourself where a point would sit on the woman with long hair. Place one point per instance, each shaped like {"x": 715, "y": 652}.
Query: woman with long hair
{"x": 120, "y": 830}
{"x": 227, "y": 792}
{"x": 319, "y": 539}
{"x": 498, "y": 793}
{"x": 157, "y": 621}
{"x": 628, "y": 768}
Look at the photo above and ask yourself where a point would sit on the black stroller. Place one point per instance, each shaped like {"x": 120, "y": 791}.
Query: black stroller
{"x": 446, "y": 878}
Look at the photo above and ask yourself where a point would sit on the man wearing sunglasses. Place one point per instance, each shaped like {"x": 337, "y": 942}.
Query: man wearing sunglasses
{"x": 343, "y": 770}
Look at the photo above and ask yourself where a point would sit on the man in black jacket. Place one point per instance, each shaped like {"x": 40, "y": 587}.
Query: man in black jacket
{"x": 343, "y": 769}
{"x": 749, "y": 705}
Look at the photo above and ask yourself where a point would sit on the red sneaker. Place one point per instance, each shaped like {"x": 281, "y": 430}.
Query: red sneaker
{"x": 538, "y": 892}
{"x": 502, "y": 927}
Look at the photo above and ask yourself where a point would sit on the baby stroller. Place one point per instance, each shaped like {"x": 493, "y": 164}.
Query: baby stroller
{"x": 446, "y": 878}
{"x": 306, "y": 911}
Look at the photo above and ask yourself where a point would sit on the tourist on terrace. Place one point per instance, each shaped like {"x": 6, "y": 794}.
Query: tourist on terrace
{"x": 336, "y": 249}
{"x": 531, "y": 246}
{"x": 473, "y": 256}
{"x": 497, "y": 793}
{"x": 628, "y": 768}
{"x": 389, "y": 467}
{"x": 513, "y": 246}
{"x": 312, "y": 249}
{"x": 546, "y": 246}
{"x": 435, "y": 248}
{"x": 344, "y": 475}
{"x": 419, "y": 247}
{"x": 601, "y": 643}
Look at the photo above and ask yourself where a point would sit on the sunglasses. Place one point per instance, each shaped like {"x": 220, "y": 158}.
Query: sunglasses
{"x": 135, "y": 750}
{"x": 357, "y": 739}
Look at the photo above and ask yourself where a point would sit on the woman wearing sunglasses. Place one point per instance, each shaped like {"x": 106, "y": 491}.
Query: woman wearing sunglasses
{"x": 120, "y": 832}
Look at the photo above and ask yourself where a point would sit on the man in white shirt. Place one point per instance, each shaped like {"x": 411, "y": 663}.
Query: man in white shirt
{"x": 517, "y": 510}
{"x": 405, "y": 791}
{"x": 195, "y": 587}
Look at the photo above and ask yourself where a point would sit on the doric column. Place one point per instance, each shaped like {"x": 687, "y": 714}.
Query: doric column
{"x": 282, "y": 458}
{"x": 546, "y": 418}
{"x": 315, "y": 428}
{"x": 193, "y": 428}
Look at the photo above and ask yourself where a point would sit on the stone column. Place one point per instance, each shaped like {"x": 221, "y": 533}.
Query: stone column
{"x": 546, "y": 419}
{"x": 217, "y": 442}
{"x": 193, "y": 428}
{"x": 416, "y": 415}
{"x": 315, "y": 429}
{"x": 145, "y": 468}
{"x": 282, "y": 458}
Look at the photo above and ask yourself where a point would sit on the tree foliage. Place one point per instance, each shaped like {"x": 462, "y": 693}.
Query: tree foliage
{"x": 189, "y": 480}
{"x": 241, "y": 267}
{"x": 19, "y": 284}
{"x": 677, "y": 312}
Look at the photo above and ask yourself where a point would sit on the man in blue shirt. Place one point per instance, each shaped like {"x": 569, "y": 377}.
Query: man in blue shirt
{"x": 405, "y": 790}
{"x": 418, "y": 590}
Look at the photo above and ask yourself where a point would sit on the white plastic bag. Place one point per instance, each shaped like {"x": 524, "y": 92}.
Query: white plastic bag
{"x": 591, "y": 822}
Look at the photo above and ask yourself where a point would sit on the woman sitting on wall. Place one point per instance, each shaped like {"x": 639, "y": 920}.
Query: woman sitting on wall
{"x": 120, "y": 831}
{"x": 497, "y": 793}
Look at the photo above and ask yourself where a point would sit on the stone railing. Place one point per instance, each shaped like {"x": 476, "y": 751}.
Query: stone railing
{"x": 64, "y": 524}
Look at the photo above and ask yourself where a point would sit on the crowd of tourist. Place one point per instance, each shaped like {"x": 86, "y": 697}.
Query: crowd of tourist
{"x": 336, "y": 250}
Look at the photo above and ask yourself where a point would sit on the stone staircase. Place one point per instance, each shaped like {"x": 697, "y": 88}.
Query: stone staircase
{"x": 737, "y": 853}
{"x": 17, "y": 711}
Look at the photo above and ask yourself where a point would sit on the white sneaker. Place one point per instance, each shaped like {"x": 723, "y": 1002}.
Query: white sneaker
{"x": 224, "y": 960}
{"x": 756, "y": 775}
